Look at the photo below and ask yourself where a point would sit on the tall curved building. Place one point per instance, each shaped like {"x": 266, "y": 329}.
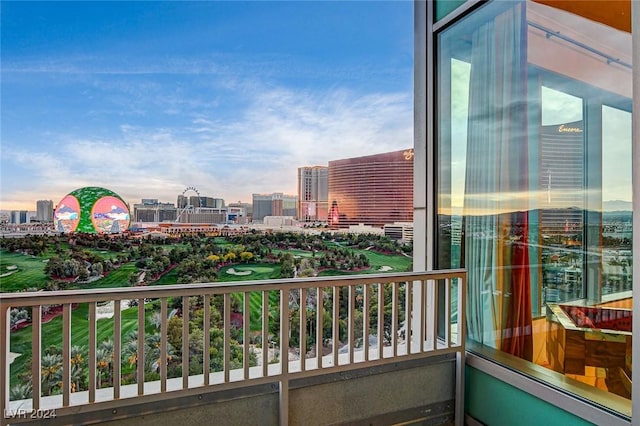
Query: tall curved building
{"x": 372, "y": 190}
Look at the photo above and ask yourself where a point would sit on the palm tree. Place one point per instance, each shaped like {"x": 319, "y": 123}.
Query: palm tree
{"x": 51, "y": 374}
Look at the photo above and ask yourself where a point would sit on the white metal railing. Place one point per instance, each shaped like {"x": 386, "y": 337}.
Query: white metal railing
{"x": 383, "y": 318}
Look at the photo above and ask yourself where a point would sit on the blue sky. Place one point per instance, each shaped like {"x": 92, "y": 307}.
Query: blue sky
{"x": 148, "y": 98}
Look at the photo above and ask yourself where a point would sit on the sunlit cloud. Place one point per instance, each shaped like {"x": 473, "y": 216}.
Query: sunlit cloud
{"x": 257, "y": 151}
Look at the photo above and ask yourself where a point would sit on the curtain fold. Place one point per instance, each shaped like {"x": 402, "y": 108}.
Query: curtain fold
{"x": 496, "y": 184}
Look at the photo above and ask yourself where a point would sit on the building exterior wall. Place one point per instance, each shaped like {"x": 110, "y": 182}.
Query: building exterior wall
{"x": 19, "y": 216}
{"x": 44, "y": 210}
{"x": 372, "y": 190}
{"x": 313, "y": 193}
{"x": 275, "y": 204}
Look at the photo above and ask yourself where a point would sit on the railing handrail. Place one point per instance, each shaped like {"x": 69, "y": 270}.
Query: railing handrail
{"x": 28, "y": 298}
{"x": 404, "y": 323}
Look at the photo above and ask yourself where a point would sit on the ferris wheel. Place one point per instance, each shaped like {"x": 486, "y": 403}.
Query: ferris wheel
{"x": 192, "y": 189}
{"x": 188, "y": 206}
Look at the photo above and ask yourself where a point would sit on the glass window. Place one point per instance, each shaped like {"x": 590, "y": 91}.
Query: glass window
{"x": 534, "y": 185}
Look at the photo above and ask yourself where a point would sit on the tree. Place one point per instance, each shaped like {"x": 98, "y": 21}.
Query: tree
{"x": 51, "y": 374}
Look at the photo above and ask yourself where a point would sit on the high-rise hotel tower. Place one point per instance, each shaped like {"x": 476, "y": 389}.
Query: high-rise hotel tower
{"x": 313, "y": 193}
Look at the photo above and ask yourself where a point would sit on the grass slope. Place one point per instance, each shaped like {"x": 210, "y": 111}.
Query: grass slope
{"x": 30, "y": 272}
{"x": 51, "y": 334}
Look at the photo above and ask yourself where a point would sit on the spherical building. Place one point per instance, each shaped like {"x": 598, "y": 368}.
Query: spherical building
{"x": 92, "y": 210}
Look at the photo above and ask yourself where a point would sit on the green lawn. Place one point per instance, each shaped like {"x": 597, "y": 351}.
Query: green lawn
{"x": 170, "y": 277}
{"x": 397, "y": 262}
{"x": 116, "y": 278}
{"x": 295, "y": 252}
{"x": 259, "y": 271}
{"x": 29, "y": 272}
{"x": 51, "y": 334}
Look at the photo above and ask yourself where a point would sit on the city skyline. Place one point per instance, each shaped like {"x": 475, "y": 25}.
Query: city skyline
{"x": 150, "y": 98}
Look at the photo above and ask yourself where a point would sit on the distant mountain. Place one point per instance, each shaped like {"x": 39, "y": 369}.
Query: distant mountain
{"x": 616, "y": 205}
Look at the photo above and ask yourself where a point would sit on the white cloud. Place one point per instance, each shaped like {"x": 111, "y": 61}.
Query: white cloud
{"x": 259, "y": 150}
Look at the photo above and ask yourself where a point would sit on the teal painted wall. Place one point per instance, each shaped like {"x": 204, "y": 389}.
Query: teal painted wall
{"x": 444, "y": 7}
{"x": 496, "y": 403}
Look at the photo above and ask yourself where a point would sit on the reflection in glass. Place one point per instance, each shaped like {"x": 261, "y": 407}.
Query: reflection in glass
{"x": 561, "y": 180}
{"x": 532, "y": 126}
{"x": 616, "y": 205}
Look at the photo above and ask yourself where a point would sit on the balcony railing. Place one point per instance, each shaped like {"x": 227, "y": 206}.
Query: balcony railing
{"x": 271, "y": 332}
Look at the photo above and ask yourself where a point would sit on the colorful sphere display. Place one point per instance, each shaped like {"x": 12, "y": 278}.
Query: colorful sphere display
{"x": 92, "y": 210}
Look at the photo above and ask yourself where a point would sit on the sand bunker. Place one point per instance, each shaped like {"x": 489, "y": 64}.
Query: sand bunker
{"x": 12, "y": 269}
{"x": 385, "y": 268}
{"x": 232, "y": 271}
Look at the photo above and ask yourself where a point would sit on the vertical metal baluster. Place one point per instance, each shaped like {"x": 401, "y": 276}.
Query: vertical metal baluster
{"x": 66, "y": 354}
{"x": 265, "y": 333}
{"x": 185, "y": 342}
{"x": 408, "y": 308}
{"x": 434, "y": 284}
{"x": 206, "y": 330}
{"x": 284, "y": 331}
{"x": 423, "y": 319}
{"x": 380, "y": 320}
{"x": 227, "y": 336}
{"x": 140, "y": 354}
{"x": 336, "y": 323}
{"x": 319, "y": 331}
{"x": 365, "y": 320}
{"x": 245, "y": 335}
{"x": 92, "y": 352}
{"x": 117, "y": 348}
{"x": 351, "y": 329}
{"x": 284, "y": 357}
{"x": 164, "y": 326}
{"x": 462, "y": 306}
{"x": 447, "y": 310}
{"x": 36, "y": 355}
{"x": 5, "y": 345}
{"x": 302, "y": 335}
{"x": 395, "y": 305}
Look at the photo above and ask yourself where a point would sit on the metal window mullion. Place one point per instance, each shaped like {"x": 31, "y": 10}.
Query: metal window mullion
{"x": 336, "y": 323}
{"x": 140, "y": 354}
{"x": 303, "y": 329}
{"x": 365, "y": 320}
{"x": 36, "y": 355}
{"x": 92, "y": 352}
{"x": 66, "y": 354}
{"x": 164, "y": 326}
{"x": 245, "y": 334}
{"x": 265, "y": 333}
{"x": 380, "y": 320}
{"x": 351, "y": 310}
{"x": 319, "y": 323}
{"x": 227, "y": 336}
{"x": 117, "y": 348}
